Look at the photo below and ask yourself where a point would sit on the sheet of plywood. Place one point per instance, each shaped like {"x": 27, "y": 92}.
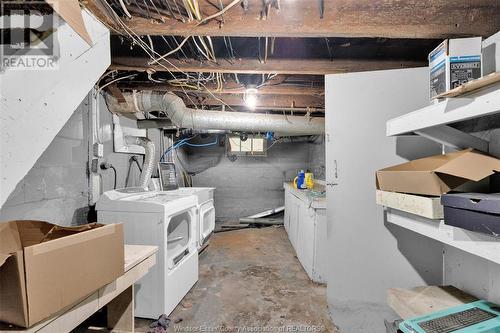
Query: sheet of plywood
{"x": 121, "y": 311}
{"x": 409, "y": 303}
{"x": 429, "y": 207}
{"x": 134, "y": 254}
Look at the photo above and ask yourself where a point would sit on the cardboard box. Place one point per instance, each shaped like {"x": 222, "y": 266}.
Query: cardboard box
{"x": 479, "y": 212}
{"x": 491, "y": 54}
{"x": 426, "y": 206}
{"x": 438, "y": 174}
{"x": 44, "y": 268}
{"x": 453, "y": 63}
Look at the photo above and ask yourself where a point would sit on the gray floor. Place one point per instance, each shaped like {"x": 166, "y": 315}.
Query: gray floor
{"x": 250, "y": 279}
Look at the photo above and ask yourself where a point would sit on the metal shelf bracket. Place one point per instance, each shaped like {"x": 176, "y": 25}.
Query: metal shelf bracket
{"x": 454, "y": 138}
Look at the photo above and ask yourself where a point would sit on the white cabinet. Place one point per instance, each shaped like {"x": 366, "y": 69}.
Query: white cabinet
{"x": 292, "y": 213}
{"x": 305, "y": 238}
{"x": 305, "y": 223}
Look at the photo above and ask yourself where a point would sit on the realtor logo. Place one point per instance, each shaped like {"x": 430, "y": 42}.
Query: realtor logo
{"x": 28, "y": 39}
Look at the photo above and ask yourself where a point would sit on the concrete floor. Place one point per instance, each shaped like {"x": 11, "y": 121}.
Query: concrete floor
{"x": 251, "y": 279}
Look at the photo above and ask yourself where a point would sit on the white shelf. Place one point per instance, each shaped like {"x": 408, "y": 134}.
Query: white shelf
{"x": 481, "y": 245}
{"x": 476, "y": 104}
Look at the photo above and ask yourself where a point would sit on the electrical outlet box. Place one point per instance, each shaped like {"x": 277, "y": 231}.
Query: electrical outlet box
{"x": 98, "y": 149}
{"x": 95, "y": 188}
{"x": 94, "y": 167}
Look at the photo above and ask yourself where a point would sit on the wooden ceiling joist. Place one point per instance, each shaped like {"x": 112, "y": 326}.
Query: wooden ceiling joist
{"x": 268, "y": 101}
{"x": 340, "y": 18}
{"x": 271, "y": 66}
{"x": 229, "y": 88}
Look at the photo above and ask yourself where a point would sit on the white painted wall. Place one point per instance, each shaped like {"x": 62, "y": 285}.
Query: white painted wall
{"x": 55, "y": 189}
{"x": 472, "y": 274}
{"x": 34, "y": 105}
{"x": 366, "y": 256}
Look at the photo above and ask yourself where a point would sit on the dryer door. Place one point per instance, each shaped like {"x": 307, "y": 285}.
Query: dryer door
{"x": 207, "y": 220}
{"x": 179, "y": 237}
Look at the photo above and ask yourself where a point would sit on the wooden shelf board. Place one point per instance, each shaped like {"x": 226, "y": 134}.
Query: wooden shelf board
{"x": 419, "y": 301}
{"x": 471, "y": 86}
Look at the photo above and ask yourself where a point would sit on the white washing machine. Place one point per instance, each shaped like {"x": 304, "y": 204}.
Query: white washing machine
{"x": 206, "y": 210}
{"x": 169, "y": 221}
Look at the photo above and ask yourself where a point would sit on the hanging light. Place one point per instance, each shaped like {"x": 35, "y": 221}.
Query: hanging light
{"x": 250, "y": 97}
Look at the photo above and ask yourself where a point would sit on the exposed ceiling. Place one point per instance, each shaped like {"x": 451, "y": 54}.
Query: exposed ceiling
{"x": 209, "y": 51}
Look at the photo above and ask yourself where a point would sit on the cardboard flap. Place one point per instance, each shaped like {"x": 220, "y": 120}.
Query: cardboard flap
{"x": 470, "y": 165}
{"x": 10, "y": 241}
{"x": 32, "y": 232}
{"x": 3, "y": 258}
{"x": 416, "y": 182}
{"x": 437, "y": 174}
{"x": 58, "y": 231}
{"x": 71, "y": 12}
{"x": 430, "y": 163}
{"x": 13, "y": 304}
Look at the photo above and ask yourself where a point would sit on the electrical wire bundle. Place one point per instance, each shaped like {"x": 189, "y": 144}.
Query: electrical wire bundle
{"x": 185, "y": 142}
{"x": 180, "y": 10}
{"x": 150, "y": 51}
{"x": 200, "y": 46}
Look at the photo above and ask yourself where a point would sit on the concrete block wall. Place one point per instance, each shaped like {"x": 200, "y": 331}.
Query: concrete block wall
{"x": 250, "y": 184}
{"x": 53, "y": 96}
{"x": 56, "y": 187}
{"x": 316, "y": 157}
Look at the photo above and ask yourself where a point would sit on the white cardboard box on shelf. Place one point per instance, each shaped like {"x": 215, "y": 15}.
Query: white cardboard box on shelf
{"x": 453, "y": 63}
{"x": 491, "y": 54}
{"x": 426, "y": 206}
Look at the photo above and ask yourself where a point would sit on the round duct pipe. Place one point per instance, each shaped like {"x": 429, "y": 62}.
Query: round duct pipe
{"x": 184, "y": 117}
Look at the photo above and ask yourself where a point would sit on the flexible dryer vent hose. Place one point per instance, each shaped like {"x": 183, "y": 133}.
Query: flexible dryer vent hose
{"x": 184, "y": 117}
{"x": 149, "y": 157}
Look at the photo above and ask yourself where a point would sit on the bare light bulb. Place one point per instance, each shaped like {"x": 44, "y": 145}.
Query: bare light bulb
{"x": 251, "y": 98}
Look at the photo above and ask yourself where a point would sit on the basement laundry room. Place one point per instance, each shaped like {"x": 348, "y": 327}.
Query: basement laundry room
{"x": 249, "y": 166}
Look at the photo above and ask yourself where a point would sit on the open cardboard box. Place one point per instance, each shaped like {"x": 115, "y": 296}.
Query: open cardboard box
{"x": 44, "y": 268}
{"x": 438, "y": 174}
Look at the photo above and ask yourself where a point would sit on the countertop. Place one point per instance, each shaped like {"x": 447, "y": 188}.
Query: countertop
{"x": 309, "y": 197}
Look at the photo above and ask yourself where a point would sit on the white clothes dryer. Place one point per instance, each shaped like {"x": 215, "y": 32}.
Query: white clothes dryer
{"x": 169, "y": 221}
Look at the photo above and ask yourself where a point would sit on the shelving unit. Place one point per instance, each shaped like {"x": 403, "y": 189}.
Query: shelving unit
{"x": 481, "y": 245}
{"x": 477, "y": 103}
{"x": 476, "y": 99}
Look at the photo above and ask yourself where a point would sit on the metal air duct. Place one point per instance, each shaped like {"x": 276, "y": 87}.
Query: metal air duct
{"x": 184, "y": 117}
